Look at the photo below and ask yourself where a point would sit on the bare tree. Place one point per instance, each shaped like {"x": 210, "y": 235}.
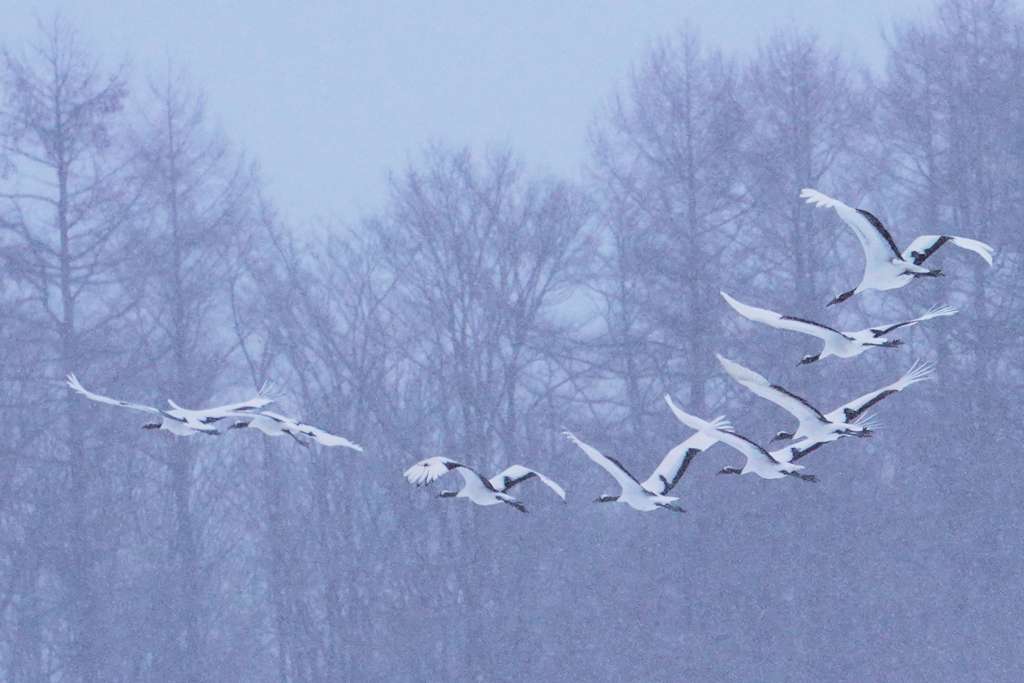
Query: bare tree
{"x": 65, "y": 211}
{"x": 482, "y": 260}
{"x": 423, "y": 333}
{"x": 813, "y": 125}
{"x": 197, "y": 210}
{"x": 953, "y": 104}
{"x": 315, "y": 316}
{"x": 667, "y": 165}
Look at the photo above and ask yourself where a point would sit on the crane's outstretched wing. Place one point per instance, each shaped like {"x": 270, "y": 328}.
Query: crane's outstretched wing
{"x": 878, "y": 244}
{"x": 852, "y": 410}
{"x": 517, "y": 474}
{"x": 935, "y": 312}
{"x": 324, "y": 438}
{"x": 626, "y": 480}
{"x": 675, "y": 463}
{"x": 426, "y": 471}
{"x": 73, "y": 382}
{"x": 794, "y": 452}
{"x": 262, "y": 398}
{"x": 295, "y": 428}
{"x": 783, "y": 322}
{"x": 926, "y": 245}
{"x": 807, "y": 414}
{"x": 740, "y": 443}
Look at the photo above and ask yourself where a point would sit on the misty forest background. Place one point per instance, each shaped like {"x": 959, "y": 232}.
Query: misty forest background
{"x": 483, "y": 308}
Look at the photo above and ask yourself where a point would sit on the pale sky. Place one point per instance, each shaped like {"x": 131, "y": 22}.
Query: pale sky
{"x": 330, "y": 96}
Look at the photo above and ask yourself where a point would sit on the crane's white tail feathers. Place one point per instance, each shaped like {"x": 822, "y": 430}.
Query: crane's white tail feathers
{"x": 918, "y": 372}
{"x": 819, "y": 199}
{"x": 937, "y": 311}
{"x": 741, "y": 374}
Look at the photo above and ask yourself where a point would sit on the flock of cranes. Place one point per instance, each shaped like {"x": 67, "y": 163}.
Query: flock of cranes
{"x": 885, "y": 268}
{"x": 182, "y": 422}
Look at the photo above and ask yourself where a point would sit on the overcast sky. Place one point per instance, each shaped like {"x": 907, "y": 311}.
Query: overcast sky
{"x": 331, "y": 96}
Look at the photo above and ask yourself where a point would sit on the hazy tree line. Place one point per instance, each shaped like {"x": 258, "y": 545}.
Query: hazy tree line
{"x": 478, "y": 312}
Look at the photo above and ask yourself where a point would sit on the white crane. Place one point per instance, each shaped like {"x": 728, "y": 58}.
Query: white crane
{"x": 814, "y": 425}
{"x": 273, "y": 424}
{"x": 759, "y": 461}
{"x": 181, "y": 421}
{"x": 652, "y": 493}
{"x": 885, "y": 267}
{"x": 852, "y": 412}
{"x": 477, "y": 487}
{"x": 841, "y": 344}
